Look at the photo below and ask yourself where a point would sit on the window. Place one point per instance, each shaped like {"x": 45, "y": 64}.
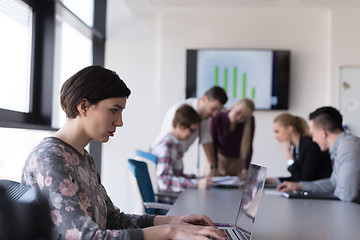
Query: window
{"x": 16, "y": 20}
{"x": 42, "y": 44}
{"x": 73, "y": 51}
{"x": 15, "y": 150}
{"x": 84, "y": 9}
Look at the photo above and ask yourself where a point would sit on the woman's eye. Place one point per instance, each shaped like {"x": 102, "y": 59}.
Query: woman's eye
{"x": 113, "y": 110}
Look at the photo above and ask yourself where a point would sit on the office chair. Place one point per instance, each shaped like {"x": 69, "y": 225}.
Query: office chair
{"x": 12, "y": 190}
{"x": 146, "y": 155}
{"x": 24, "y": 213}
{"x": 151, "y": 161}
{"x": 139, "y": 170}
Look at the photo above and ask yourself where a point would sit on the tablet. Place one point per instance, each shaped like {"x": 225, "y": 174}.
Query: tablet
{"x": 309, "y": 195}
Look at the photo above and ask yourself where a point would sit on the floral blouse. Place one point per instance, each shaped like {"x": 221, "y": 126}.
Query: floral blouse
{"x": 80, "y": 206}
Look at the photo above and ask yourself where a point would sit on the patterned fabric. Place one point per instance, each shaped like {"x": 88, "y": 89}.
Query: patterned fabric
{"x": 80, "y": 206}
{"x": 170, "y": 165}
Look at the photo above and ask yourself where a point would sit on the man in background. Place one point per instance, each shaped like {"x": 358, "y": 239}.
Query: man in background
{"x": 170, "y": 166}
{"x": 207, "y": 106}
{"x": 344, "y": 148}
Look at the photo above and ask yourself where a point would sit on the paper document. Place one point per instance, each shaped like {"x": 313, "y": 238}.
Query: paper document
{"x": 228, "y": 181}
{"x": 273, "y": 192}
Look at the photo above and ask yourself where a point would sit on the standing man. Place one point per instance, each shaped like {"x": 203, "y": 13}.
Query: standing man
{"x": 344, "y": 148}
{"x": 207, "y": 106}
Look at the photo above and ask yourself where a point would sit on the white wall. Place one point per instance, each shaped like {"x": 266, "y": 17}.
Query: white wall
{"x": 148, "y": 52}
{"x": 345, "y": 48}
{"x": 305, "y": 33}
{"x": 345, "y": 52}
{"x": 132, "y": 51}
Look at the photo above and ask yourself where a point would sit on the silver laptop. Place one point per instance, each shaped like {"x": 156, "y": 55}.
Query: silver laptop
{"x": 250, "y": 200}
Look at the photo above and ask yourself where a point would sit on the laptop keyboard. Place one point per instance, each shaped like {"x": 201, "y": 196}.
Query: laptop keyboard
{"x": 226, "y": 232}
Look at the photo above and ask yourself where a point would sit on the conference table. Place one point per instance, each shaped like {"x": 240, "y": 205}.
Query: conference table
{"x": 278, "y": 218}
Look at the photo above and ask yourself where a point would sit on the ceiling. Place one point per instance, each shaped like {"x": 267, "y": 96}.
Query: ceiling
{"x": 181, "y": 5}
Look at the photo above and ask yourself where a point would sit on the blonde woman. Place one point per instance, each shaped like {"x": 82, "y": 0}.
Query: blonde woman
{"x": 233, "y": 132}
{"x": 305, "y": 159}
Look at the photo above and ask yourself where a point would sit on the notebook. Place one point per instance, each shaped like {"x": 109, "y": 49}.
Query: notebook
{"x": 309, "y": 195}
{"x": 228, "y": 182}
{"x": 249, "y": 204}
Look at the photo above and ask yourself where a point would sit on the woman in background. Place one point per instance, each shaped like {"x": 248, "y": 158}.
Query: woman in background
{"x": 305, "y": 159}
{"x": 233, "y": 132}
{"x": 93, "y": 100}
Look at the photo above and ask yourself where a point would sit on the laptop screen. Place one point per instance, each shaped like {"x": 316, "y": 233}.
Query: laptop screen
{"x": 250, "y": 199}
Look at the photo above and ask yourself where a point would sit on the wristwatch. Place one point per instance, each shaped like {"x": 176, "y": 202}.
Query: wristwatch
{"x": 213, "y": 166}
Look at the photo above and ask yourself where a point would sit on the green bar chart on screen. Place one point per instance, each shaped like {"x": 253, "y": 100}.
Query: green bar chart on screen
{"x": 233, "y": 89}
{"x": 242, "y": 74}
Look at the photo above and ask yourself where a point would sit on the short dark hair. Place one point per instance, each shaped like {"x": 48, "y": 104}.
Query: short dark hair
{"x": 217, "y": 93}
{"x": 328, "y": 118}
{"x": 185, "y": 115}
{"x": 94, "y": 83}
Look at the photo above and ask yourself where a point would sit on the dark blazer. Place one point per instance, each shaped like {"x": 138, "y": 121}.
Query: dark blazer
{"x": 313, "y": 164}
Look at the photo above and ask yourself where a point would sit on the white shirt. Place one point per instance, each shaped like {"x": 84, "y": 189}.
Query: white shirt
{"x": 166, "y": 127}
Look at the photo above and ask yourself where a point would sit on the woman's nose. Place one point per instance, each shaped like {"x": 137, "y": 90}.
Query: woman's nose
{"x": 118, "y": 122}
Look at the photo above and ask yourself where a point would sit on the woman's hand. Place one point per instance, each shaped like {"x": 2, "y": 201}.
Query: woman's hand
{"x": 196, "y": 232}
{"x": 194, "y": 219}
{"x": 205, "y": 183}
{"x": 184, "y": 227}
{"x": 243, "y": 174}
{"x": 285, "y": 149}
{"x": 214, "y": 172}
{"x": 186, "y": 219}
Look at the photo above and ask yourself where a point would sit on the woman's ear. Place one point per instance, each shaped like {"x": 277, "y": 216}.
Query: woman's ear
{"x": 83, "y": 106}
{"x": 291, "y": 128}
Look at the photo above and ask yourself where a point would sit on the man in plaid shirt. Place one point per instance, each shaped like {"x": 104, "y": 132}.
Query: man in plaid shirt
{"x": 170, "y": 154}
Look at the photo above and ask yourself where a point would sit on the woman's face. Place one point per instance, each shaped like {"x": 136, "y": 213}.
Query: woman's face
{"x": 282, "y": 134}
{"x": 103, "y": 118}
{"x": 239, "y": 113}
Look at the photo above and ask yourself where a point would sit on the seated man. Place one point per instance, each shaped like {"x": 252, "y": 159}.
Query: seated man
{"x": 170, "y": 154}
{"x": 344, "y": 148}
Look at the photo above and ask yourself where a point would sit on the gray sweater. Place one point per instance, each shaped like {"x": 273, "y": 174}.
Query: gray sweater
{"x": 344, "y": 181}
{"x": 80, "y": 206}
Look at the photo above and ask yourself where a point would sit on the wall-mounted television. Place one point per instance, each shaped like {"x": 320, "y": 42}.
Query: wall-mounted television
{"x": 259, "y": 74}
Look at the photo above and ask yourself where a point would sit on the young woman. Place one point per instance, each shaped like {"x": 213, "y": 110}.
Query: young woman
{"x": 93, "y": 100}
{"x": 233, "y": 132}
{"x": 170, "y": 167}
{"x": 305, "y": 159}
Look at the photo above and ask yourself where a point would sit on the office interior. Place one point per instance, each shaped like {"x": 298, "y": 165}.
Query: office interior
{"x": 146, "y": 44}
